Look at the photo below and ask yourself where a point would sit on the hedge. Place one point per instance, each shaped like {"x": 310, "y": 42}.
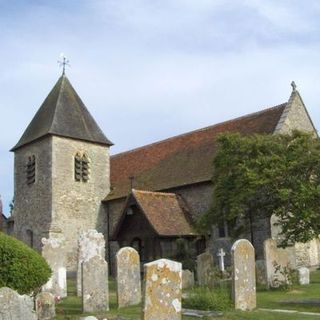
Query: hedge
{"x": 21, "y": 268}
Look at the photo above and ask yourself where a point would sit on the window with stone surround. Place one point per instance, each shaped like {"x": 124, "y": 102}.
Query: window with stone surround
{"x": 81, "y": 167}
{"x": 31, "y": 170}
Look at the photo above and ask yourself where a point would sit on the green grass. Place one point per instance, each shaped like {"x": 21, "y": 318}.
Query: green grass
{"x": 71, "y": 309}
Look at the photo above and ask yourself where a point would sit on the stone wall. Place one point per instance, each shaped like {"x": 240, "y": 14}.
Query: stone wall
{"x": 76, "y": 206}
{"x": 33, "y": 203}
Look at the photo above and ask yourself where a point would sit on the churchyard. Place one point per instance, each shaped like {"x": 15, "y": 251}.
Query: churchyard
{"x": 164, "y": 290}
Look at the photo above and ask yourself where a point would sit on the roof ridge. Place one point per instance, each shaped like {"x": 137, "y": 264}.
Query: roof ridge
{"x": 199, "y": 130}
{"x": 58, "y": 99}
{"x": 155, "y": 192}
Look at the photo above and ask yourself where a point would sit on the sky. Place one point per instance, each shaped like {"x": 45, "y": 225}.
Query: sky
{"x": 148, "y": 70}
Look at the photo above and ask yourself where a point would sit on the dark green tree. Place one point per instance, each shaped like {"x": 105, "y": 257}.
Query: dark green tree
{"x": 261, "y": 175}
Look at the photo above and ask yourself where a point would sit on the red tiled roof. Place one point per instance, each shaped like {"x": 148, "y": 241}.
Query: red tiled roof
{"x": 166, "y": 213}
{"x": 184, "y": 159}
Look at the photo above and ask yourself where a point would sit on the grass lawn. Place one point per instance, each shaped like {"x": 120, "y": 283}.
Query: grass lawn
{"x": 70, "y": 308}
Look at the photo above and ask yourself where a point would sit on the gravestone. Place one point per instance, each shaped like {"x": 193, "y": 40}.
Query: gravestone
{"x": 15, "y": 306}
{"x": 53, "y": 251}
{"x": 243, "y": 275}
{"x": 261, "y": 276}
{"x": 91, "y": 243}
{"x": 204, "y": 268}
{"x": 162, "y": 290}
{"x": 221, "y": 254}
{"x": 187, "y": 279}
{"x": 274, "y": 258}
{"x": 95, "y": 293}
{"x": 304, "y": 276}
{"x": 45, "y": 306}
{"x": 128, "y": 277}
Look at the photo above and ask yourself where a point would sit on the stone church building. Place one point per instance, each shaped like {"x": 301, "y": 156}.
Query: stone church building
{"x": 65, "y": 180}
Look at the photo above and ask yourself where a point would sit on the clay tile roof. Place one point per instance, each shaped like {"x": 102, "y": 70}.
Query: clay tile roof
{"x": 63, "y": 114}
{"x": 166, "y": 212}
{"x": 184, "y": 159}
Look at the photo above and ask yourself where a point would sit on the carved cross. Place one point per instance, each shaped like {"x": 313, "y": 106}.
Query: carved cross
{"x": 221, "y": 254}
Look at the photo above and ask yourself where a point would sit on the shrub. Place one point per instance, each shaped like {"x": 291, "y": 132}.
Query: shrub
{"x": 206, "y": 299}
{"x": 21, "y": 268}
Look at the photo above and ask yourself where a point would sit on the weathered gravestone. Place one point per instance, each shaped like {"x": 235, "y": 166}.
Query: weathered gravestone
{"x": 261, "y": 274}
{"x": 95, "y": 293}
{"x": 204, "y": 268}
{"x": 91, "y": 243}
{"x": 187, "y": 279}
{"x": 45, "y": 306}
{"x": 54, "y": 253}
{"x": 304, "y": 276}
{"x": 243, "y": 275}
{"x": 162, "y": 290}
{"x": 276, "y": 258}
{"x": 14, "y": 306}
{"x": 128, "y": 277}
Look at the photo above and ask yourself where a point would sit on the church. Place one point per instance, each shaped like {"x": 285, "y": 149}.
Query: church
{"x": 65, "y": 180}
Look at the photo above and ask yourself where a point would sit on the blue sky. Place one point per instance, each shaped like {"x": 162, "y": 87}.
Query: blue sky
{"x": 148, "y": 70}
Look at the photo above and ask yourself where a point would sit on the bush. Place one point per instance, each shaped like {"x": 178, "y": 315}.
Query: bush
{"x": 21, "y": 268}
{"x": 206, "y": 299}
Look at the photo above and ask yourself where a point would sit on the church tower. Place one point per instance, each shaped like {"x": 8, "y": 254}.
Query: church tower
{"x": 61, "y": 172}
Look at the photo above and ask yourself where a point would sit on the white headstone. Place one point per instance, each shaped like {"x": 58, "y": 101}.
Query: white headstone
{"x": 53, "y": 251}
{"x": 221, "y": 254}
{"x": 304, "y": 276}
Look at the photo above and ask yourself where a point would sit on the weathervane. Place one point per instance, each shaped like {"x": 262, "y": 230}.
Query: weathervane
{"x": 63, "y": 62}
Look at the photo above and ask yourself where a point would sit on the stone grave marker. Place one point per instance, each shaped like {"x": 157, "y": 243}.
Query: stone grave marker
{"x": 15, "y": 306}
{"x": 187, "y": 279}
{"x": 91, "y": 243}
{"x": 243, "y": 275}
{"x": 128, "y": 277}
{"x": 204, "y": 268}
{"x": 53, "y": 251}
{"x": 45, "y": 306}
{"x": 261, "y": 276}
{"x": 221, "y": 254}
{"x": 274, "y": 257}
{"x": 95, "y": 293}
{"x": 304, "y": 276}
{"x": 162, "y": 290}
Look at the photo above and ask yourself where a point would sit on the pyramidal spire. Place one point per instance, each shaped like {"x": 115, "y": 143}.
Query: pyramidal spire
{"x": 63, "y": 114}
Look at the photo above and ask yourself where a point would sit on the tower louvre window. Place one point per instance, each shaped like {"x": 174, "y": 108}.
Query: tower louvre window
{"x": 81, "y": 167}
{"x": 31, "y": 170}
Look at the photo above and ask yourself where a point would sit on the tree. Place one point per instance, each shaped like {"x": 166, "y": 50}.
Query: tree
{"x": 261, "y": 175}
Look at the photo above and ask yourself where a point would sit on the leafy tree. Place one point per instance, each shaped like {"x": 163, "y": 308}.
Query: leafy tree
{"x": 261, "y": 175}
{"x": 21, "y": 268}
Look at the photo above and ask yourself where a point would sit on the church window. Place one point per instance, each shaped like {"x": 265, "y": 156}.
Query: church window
{"x": 31, "y": 170}
{"x": 81, "y": 167}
